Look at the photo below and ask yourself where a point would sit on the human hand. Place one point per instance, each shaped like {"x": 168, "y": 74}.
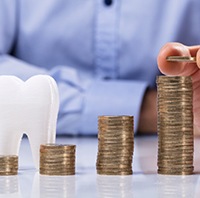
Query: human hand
{"x": 183, "y": 69}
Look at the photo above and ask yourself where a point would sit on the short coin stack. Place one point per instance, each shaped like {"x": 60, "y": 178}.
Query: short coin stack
{"x": 115, "y": 145}
{"x": 175, "y": 125}
{"x": 57, "y": 159}
{"x": 8, "y": 165}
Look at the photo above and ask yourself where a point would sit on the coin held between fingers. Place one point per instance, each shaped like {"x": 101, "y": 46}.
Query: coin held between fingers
{"x": 189, "y": 59}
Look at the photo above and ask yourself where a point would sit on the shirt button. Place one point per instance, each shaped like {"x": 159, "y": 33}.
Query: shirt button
{"x": 108, "y": 2}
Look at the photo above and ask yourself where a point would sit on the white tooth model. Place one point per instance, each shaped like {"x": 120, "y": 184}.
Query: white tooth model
{"x": 30, "y": 108}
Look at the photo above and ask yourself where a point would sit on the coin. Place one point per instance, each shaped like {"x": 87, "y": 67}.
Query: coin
{"x": 108, "y": 172}
{"x": 8, "y": 165}
{"x": 175, "y": 172}
{"x": 175, "y": 125}
{"x": 58, "y": 173}
{"x": 115, "y": 145}
{"x": 57, "y": 159}
{"x": 181, "y": 59}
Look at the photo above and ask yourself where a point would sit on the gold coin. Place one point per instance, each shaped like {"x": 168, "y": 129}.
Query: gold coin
{"x": 181, "y": 148}
{"x": 168, "y": 172}
{"x": 113, "y": 154}
{"x": 181, "y": 59}
{"x": 8, "y": 165}
{"x": 57, "y": 173}
{"x": 114, "y": 161}
{"x": 115, "y": 145}
{"x": 57, "y": 155}
{"x": 175, "y": 125}
{"x": 122, "y": 117}
{"x": 57, "y": 162}
{"x": 56, "y": 159}
{"x": 100, "y": 172}
{"x": 189, "y": 168}
{"x": 51, "y": 148}
{"x": 8, "y": 173}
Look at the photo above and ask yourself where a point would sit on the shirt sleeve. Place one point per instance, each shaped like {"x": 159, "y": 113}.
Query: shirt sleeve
{"x": 112, "y": 97}
{"x": 83, "y": 98}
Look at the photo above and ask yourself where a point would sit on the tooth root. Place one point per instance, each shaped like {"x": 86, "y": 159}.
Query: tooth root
{"x": 10, "y": 143}
{"x": 36, "y": 141}
{"x": 29, "y": 107}
{"x": 35, "y": 146}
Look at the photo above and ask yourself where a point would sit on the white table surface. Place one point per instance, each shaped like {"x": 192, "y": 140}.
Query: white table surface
{"x": 145, "y": 182}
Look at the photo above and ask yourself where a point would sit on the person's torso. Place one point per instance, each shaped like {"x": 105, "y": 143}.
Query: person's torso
{"x": 120, "y": 40}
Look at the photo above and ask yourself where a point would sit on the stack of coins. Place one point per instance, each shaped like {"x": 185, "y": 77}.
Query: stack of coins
{"x": 57, "y": 159}
{"x": 8, "y": 165}
{"x": 175, "y": 125}
{"x": 115, "y": 145}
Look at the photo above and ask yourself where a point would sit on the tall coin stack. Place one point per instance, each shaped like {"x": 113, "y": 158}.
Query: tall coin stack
{"x": 57, "y": 159}
{"x": 175, "y": 125}
{"x": 8, "y": 165}
{"x": 115, "y": 145}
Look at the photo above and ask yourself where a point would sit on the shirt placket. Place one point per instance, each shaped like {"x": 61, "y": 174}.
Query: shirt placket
{"x": 106, "y": 38}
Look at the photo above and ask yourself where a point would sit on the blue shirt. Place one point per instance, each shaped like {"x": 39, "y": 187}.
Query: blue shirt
{"x": 103, "y": 57}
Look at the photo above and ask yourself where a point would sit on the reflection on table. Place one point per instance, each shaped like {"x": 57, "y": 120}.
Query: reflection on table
{"x": 145, "y": 182}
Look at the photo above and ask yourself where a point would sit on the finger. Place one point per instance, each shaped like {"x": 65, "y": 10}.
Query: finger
{"x": 193, "y": 49}
{"x": 198, "y": 58}
{"x": 176, "y": 68}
